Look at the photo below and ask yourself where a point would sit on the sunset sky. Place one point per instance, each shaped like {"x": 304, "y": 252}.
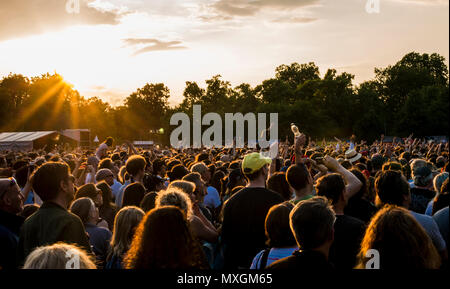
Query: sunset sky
{"x": 113, "y": 47}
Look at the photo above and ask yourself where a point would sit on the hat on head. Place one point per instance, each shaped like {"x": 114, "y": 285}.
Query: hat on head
{"x": 103, "y": 174}
{"x": 253, "y": 162}
{"x": 352, "y": 155}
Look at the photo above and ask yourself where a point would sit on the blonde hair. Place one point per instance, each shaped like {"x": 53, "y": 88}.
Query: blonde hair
{"x": 174, "y": 196}
{"x": 125, "y": 224}
{"x": 185, "y": 186}
{"x": 56, "y": 256}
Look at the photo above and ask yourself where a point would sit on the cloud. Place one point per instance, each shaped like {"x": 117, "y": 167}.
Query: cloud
{"x": 155, "y": 45}
{"x": 251, "y": 7}
{"x": 423, "y": 2}
{"x": 295, "y": 20}
{"x": 20, "y": 18}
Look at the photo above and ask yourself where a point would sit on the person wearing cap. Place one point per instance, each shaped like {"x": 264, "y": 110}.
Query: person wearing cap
{"x": 105, "y": 175}
{"x": 244, "y": 214}
{"x": 352, "y": 156}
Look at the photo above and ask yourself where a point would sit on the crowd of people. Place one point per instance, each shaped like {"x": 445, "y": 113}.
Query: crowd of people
{"x": 313, "y": 206}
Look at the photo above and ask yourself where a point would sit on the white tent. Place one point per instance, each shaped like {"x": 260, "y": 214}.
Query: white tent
{"x": 26, "y": 141}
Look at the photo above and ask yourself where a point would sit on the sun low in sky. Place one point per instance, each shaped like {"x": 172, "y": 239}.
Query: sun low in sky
{"x": 109, "y": 48}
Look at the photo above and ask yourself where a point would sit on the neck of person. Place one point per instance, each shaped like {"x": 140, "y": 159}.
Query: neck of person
{"x": 259, "y": 182}
{"x": 61, "y": 201}
{"x": 299, "y": 194}
{"x": 338, "y": 208}
{"x": 323, "y": 249}
{"x": 138, "y": 178}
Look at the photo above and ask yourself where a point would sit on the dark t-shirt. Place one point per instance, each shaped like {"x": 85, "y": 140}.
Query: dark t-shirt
{"x": 360, "y": 209}
{"x": 420, "y": 199}
{"x": 243, "y": 233}
{"x": 348, "y": 233}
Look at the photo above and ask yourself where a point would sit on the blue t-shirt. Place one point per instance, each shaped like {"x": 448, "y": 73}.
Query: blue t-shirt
{"x": 429, "y": 209}
{"x": 119, "y": 196}
{"x": 432, "y": 229}
{"x": 115, "y": 188}
{"x": 442, "y": 220}
{"x": 274, "y": 255}
{"x": 212, "y": 199}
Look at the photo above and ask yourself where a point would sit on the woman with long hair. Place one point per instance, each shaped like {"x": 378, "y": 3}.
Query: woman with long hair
{"x": 163, "y": 241}
{"x": 125, "y": 224}
{"x": 107, "y": 210}
{"x": 181, "y": 194}
{"x": 400, "y": 240}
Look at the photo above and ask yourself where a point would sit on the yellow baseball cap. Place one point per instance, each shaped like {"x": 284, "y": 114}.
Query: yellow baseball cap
{"x": 253, "y": 162}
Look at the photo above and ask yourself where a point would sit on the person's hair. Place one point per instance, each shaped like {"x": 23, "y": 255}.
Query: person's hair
{"x": 105, "y": 163}
{"x": 177, "y": 172}
{"x": 21, "y": 176}
{"x": 194, "y": 178}
{"x": 125, "y": 224}
{"x": 55, "y": 257}
{"x": 185, "y": 186}
{"x": 157, "y": 165}
{"x": 163, "y": 240}
{"x": 331, "y": 186}
{"x": 82, "y": 208}
{"x": 216, "y": 180}
{"x": 135, "y": 164}
{"x": 364, "y": 191}
{"x": 29, "y": 210}
{"x": 312, "y": 222}
{"x": 121, "y": 174}
{"x": 394, "y": 166}
{"x": 297, "y": 176}
{"x": 87, "y": 190}
{"x": 133, "y": 194}
{"x": 201, "y": 157}
{"x": 390, "y": 188}
{"x": 199, "y": 168}
{"x": 106, "y": 194}
{"x": 46, "y": 180}
{"x": 442, "y": 200}
{"x": 175, "y": 197}
{"x": 278, "y": 231}
{"x": 277, "y": 183}
{"x": 254, "y": 175}
{"x": 149, "y": 201}
{"x": 417, "y": 163}
{"x": 109, "y": 141}
{"x": 400, "y": 240}
{"x": 439, "y": 180}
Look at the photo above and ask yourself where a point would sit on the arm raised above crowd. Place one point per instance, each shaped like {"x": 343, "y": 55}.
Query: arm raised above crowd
{"x": 353, "y": 184}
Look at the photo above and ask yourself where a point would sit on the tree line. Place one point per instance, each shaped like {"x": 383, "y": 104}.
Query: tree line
{"x": 410, "y": 96}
